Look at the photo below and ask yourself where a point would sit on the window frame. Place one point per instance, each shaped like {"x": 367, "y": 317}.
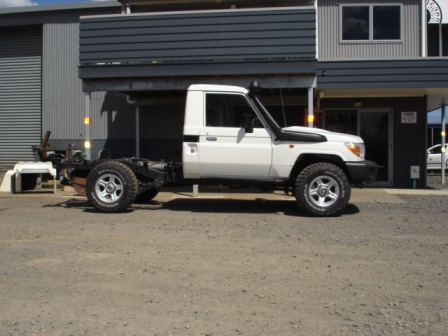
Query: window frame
{"x": 371, "y": 23}
{"x": 249, "y": 104}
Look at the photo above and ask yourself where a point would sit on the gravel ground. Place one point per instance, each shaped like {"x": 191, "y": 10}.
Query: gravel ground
{"x": 222, "y": 267}
{"x": 434, "y": 181}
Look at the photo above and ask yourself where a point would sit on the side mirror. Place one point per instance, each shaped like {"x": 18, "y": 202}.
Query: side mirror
{"x": 248, "y": 123}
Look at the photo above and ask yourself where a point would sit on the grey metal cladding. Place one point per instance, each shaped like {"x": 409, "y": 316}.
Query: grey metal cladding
{"x": 20, "y": 93}
{"x": 22, "y": 42}
{"x": 62, "y": 98}
{"x": 250, "y": 68}
{"x": 206, "y": 37}
{"x": 402, "y": 73}
{"x": 329, "y": 26}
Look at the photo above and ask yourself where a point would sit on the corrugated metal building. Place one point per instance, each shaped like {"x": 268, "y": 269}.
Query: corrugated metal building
{"x": 20, "y": 92}
{"x": 39, "y": 85}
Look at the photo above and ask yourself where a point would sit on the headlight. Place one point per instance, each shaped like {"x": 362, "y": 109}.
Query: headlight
{"x": 359, "y": 149}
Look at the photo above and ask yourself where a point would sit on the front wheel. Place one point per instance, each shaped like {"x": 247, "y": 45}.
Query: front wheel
{"x": 322, "y": 189}
{"x": 112, "y": 187}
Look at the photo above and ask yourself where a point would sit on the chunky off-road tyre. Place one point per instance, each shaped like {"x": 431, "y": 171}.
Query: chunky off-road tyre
{"x": 112, "y": 187}
{"x": 322, "y": 189}
{"x": 146, "y": 196}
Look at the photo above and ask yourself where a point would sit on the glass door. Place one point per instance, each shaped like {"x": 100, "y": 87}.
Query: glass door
{"x": 374, "y": 127}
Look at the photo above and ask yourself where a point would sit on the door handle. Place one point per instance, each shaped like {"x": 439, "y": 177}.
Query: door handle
{"x": 211, "y": 138}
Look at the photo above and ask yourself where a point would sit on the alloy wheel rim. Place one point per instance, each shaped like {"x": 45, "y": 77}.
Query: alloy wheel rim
{"x": 109, "y": 188}
{"x": 324, "y": 191}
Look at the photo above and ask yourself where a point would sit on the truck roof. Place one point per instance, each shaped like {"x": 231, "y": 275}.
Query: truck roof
{"x": 219, "y": 88}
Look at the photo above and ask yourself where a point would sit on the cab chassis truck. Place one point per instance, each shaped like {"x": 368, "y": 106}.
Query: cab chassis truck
{"x": 230, "y": 138}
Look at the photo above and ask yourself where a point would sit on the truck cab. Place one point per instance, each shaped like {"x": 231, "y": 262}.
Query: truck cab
{"x": 227, "y": 139}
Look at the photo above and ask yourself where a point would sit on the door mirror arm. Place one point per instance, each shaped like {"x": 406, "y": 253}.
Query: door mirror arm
{"x": 248, "y": 123}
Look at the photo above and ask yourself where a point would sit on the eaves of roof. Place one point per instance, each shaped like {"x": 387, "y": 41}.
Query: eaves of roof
{"x": 62, "y": 7}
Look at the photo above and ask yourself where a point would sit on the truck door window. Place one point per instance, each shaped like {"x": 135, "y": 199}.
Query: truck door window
{"x": 227, "y": 110}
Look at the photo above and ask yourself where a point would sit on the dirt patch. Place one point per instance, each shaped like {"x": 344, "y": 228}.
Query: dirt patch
{"x": 222, "y": 267}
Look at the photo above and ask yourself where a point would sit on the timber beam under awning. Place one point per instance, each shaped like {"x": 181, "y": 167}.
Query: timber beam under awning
{"x": 176, "y": 83}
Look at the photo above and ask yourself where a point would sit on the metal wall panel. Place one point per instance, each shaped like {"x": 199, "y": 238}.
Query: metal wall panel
{"x": 62, "y": 96}
{"x": 39, "y": 85}
{"x": 159, "y": 6}
{"x": 240, "y": 39}
{"x": 164, "y": 121}
{"x": 331, "y": 48}
{"x": 112, "y": 116}
{"x": 20, "y": 94}
{"x": 404, "y": 73}
{"x": 63, "y": 99}
{"x": 237, "y": 69}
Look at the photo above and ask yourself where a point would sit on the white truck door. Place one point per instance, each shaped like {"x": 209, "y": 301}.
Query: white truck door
{"x": 225, "y": 149}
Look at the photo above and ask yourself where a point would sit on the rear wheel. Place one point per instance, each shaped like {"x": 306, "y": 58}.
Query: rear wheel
{"x": 322, "y": 189}
{"x": 112, "y": 187}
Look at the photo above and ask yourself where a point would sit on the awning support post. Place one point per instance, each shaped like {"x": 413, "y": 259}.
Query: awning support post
{"x": 443, "y": 163}
{"x": 310, "y": 107}
{"x": 137, "y": 131}
{"x": 87, "y": 118}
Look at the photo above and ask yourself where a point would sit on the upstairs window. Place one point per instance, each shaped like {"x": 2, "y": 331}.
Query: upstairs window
{"x": 371, "y": 23}
{"x": 437, "y": 37}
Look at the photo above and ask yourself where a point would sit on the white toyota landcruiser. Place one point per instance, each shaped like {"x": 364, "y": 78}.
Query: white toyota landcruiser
{"x": 230, "y": 138}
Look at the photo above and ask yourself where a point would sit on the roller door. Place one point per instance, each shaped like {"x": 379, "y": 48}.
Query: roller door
{"x": 20, "y": 93}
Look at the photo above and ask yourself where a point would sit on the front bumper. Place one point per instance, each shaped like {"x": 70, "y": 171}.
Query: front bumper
{"x": 362, "y": 172}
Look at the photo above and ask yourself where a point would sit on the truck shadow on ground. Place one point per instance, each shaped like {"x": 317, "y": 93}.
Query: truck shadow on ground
{"x": 285, "y": 207}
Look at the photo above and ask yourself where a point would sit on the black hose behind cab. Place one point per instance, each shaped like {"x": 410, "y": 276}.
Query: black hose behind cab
{"x": 280, "y": 134}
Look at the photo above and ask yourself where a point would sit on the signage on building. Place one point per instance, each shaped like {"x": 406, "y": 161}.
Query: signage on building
{"x": 438, "y": 11}
{"x": 408, "y": 117}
